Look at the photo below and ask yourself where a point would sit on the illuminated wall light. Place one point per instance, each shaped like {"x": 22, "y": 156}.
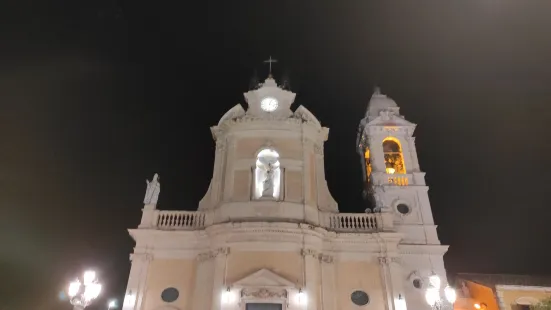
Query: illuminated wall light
{"x": 130, "y": 299}
{"x": 302, "y": 298}
{"x": 228, "y": 297}
{"x": 401, "y": 303}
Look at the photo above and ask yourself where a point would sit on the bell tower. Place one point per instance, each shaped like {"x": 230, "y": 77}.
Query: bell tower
{"x": 394, "y": 184}
{"x": 393, "y": 180}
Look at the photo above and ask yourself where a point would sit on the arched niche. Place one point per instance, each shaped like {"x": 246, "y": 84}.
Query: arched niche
{"x": 267, "y": 175}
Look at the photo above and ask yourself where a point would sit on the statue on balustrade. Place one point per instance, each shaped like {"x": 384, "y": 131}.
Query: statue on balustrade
{"x": 152, "y": 191}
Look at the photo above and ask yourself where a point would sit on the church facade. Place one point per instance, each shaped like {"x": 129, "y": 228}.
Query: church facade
{"x": 268, "y": 235}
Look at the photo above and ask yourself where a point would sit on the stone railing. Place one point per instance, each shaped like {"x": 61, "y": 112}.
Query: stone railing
{"x": 352, "y": 222}
{"x": 338, "y": 222}
{"x": 393, "y": 179}
{"x": 181, "y": 220}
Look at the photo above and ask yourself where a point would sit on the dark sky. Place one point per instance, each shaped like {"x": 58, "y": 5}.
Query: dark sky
{"x": 96, "y": 96}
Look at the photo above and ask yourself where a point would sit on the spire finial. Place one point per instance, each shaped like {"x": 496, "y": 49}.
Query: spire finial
{"x": 270, "y": 61}
{"x": 377, "y": 90}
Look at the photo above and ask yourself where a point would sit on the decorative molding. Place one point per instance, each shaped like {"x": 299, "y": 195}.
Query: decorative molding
{"x": 203, "y": 257}
{"x": 384, "y": 260}
{"x": 263, "y": 293}
{"x": 328, "y": 259}
{"x": 141, "y": 257}
{"x": 220, "y": 145}
{"x": 310, "y": 252}
{"x": 396, "y": 260}
{"x": 318, "y": 149}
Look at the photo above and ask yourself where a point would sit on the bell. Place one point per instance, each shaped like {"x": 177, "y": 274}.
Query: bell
{"x": 390, "y": 168}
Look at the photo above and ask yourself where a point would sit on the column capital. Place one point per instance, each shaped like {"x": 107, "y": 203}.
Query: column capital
{"x": 212, "y": 254}
{"x": 141, "y": 257}
{"x": 328, "y": 259}
{"x": 387, "y": 260}
{"x": 309, "y": 252}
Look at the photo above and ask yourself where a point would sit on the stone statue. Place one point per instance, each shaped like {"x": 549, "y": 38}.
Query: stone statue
{"x": 152, "y": 191}
{"x": 268, "y": 184}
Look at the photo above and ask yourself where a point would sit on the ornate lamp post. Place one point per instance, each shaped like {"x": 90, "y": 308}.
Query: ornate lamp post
{"x": 83, "y": 291}
{"x": 433, "y": 294}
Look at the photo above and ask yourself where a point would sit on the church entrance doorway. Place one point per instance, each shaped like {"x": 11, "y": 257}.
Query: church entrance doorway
{"x": 263, "y": 306}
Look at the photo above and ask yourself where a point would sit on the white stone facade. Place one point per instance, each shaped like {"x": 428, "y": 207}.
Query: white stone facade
{"x": 268, "y": 230}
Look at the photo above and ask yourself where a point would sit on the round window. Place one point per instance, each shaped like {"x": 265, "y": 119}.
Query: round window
{"x": 402, "y": 208}
{"x": 170, "y": 294}
{"x": 360, "y": 298}
{"x": 417, "y": 283}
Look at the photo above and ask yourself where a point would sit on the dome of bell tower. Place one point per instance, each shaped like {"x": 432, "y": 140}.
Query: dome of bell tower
{"x": 379, "y": 102}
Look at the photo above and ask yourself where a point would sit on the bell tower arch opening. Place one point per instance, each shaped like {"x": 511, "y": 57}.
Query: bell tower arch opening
{"x": 394, "y": 158}
{"x": 267, "y": 175}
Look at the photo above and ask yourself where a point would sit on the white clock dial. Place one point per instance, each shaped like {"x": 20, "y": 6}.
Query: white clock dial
{"x": 269, "y": 104}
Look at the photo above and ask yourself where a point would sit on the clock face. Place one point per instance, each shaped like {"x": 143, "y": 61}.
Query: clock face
{"x": 269, "y": 104}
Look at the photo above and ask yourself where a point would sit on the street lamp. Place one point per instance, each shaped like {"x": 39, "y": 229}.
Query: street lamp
{"x": 83, "y": 291}
{"x": 434, "y": 293}
{"x": 112, "y": 304}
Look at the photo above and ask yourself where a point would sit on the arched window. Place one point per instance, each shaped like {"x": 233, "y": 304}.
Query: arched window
{"x": 267, "y": 175}
{"x": 394, "y": 160}
{"x": 368, "y": 163}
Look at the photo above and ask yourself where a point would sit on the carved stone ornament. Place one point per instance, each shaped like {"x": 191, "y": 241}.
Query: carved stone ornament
{"x": 318, "y": 149}
{"x": 309, "y": 252}
{"x": 389, "y": 260}
{"x": 384, "y": 260}
{"x": 263, "y": 293}
{"x": 203, "y": 257}
{"x": 220, "y": 145}
{"x": 328, "y": 259}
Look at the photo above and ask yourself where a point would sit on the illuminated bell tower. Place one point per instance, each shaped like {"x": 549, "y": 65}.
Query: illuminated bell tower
{"x": 394, "y": 183}
{"x": 393, "y": 179}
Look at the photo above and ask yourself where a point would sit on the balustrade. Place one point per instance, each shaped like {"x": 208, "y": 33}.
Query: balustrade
{"x": 181, "y": 220}
{"x": 353, "y": 222}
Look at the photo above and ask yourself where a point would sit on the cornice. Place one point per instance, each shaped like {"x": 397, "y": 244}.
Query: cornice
{"x": 415, "y": 249}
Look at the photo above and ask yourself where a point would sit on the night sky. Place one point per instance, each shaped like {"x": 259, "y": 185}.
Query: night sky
{"x": 96, "y": 96}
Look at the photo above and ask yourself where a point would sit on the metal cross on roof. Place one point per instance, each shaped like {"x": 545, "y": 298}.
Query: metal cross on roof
{"x": 270, "y": 61}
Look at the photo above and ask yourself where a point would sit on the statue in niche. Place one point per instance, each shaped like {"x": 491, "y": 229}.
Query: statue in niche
{"x": 152, "y": 191}
{"x": 268, "y": 184}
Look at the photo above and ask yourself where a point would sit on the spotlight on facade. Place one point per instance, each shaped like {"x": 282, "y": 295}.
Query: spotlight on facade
{"x": 302, "y": 298}
{"x": 401, "y": 303}
{"x": 228, "y": 297}
{"x": 450, "y": 294}
{"x": 130, "y": 299}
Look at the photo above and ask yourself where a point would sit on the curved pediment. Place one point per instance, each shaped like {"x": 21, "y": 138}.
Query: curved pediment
{"x": 264, "y": 278}
{"x": 307, "y": 116}
{"x": 235, "y": 112}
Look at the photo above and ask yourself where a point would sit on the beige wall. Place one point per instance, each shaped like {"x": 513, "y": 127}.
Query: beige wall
{"x": 286, "y": 264}
{"x": 510, "y": 296}
{"x": 365, "y": 276}
{"x": 163, "y": 274}
{"x": 242, "y": 185}
{"x": 287, "y": 148}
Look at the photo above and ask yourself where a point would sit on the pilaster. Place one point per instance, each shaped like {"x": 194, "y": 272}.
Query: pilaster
{"x": 391, "y": 270}
{"x": 203, "y": 281}
{"x": 311, "y": 275}
{"x": 137, "y": 281}
{"x": 219, "y": 270}
{"x": 328, "y": 281}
